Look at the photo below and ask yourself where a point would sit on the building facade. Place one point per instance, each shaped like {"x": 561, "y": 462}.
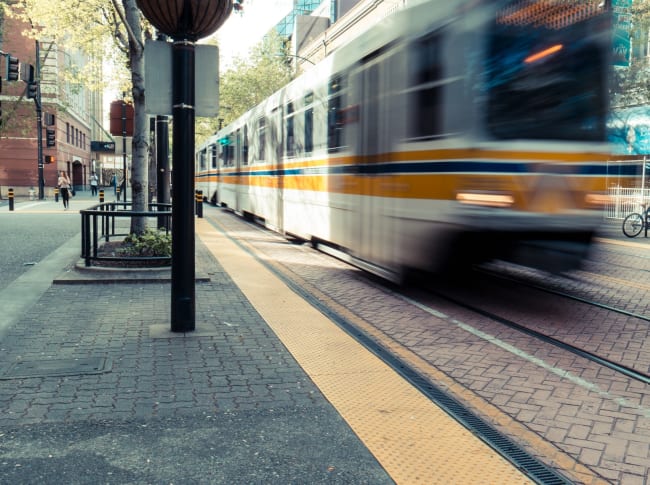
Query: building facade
{"x": 68, "y": 111}
{"x": 316, "y": 28}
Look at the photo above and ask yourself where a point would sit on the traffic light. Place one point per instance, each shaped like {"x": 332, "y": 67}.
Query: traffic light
{"x": 13, "y": 67}
{"x": 50, "y": 159}
{"x": 50, "y": 136}
{"x": 27, "y": 73}
{"x": 32, "y": 90}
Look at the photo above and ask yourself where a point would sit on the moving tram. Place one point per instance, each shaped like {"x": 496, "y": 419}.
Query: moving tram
{"x": 451, "y": 133}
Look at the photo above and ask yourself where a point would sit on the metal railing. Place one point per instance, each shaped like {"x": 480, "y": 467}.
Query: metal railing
{"x": 624, "y": 200}
{"x": 108, "y": 220}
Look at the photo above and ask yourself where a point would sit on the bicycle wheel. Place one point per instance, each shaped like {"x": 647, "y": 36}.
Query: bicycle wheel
{"x": 632, "y": 225}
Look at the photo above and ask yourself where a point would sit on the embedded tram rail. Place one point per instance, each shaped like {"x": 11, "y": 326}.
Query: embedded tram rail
{"x": 555, "y": 405}
{"x": 617, "y": 367}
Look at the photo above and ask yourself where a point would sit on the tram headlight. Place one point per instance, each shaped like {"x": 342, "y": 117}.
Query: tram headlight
{"x": 597, "y": 200}
{"x": 485, "y": 199}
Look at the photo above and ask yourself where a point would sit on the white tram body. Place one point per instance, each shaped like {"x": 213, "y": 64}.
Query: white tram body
{"x": 448, "y": 133}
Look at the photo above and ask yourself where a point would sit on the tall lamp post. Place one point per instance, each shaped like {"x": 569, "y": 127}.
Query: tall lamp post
{"x": 185, "y": 21}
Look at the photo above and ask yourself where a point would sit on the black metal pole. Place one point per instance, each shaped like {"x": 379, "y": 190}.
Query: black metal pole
{"x": 183, "y": 309}
{"x": 123, "y": 145}
{"x": 162, "y": 164}
{"x": 39, "y": 122}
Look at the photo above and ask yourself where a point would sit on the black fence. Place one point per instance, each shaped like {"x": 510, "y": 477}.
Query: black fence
{"x": 112, "y": 220}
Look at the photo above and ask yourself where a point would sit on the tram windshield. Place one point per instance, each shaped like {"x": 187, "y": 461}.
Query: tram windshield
{"x": 546, "y": 71}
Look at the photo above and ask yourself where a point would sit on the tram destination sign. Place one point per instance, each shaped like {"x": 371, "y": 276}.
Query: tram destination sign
{"x": 102, "y": 146}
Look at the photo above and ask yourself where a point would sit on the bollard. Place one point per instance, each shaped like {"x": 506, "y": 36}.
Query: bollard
{"x": 101, "y": 196}
{"x": 118, "y": 193}
{"x": 199, "y": 203}
{"x": 56, "y": 194}
{"x": 10, "y": 196}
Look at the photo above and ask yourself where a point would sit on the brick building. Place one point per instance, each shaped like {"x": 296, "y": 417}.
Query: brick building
{"x": 68, "y": 112}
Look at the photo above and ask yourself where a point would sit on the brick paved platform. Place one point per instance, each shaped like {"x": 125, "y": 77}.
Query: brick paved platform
{"x": 94, "y": 388}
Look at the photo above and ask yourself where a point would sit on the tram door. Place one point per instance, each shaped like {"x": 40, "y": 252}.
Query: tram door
{"x": 373, "y": 225}
{"x": 277, "y": 144}
{"x": 238, "y": 163}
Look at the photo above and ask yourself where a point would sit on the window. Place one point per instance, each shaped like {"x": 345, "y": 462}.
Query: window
{"x": 309, "y": 123}
{"x": 546, "y": 77}
{"x": 336, "y": 115}
{"x": 427, "y": 90}
{"x": 237, "y": 148}
{"x": 261, "y": 139}
{"x": 213, "y": 152}
{"x": 291, "y": 142}
{"x": 245, "y": 146}
{"x": 202, "y": 164}
{"x": 228, "y": 150}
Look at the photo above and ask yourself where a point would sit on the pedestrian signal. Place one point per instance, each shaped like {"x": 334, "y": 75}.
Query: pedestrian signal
{"x": 50, "y": 159}
{"x": 50, "y": 137}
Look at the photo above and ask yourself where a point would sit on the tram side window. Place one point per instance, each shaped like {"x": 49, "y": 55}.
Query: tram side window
{"x": 261, "y": 139}
{"x": 202, "y": 162}
{"x": 335, "y": 113}
{"x": 289, "y": 122}
{"x": 244, "y": 152}
{"x": 237, "y": 148}
{"x": 224, "y": 156}
{"x": 309, "y": 123}
{"x": 426, "y": 91}
{"x": 228, "y": 151}
{"x": 213, "y": 155}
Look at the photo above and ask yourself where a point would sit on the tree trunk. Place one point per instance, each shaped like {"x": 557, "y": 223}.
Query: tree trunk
{"x": 139, "y": 163}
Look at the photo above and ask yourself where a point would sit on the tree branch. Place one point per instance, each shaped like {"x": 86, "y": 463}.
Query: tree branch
{"x": 132, "y": 37}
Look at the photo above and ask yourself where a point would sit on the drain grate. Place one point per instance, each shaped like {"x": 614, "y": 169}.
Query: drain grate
{"x": 25, "y": 369}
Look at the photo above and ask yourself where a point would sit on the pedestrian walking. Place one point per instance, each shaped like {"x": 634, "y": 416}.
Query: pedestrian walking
{"x": 64, "y": 186}
{"x": 94, "y": 181}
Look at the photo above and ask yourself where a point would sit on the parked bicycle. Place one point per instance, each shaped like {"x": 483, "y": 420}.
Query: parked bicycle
{"x": 636, "y": 222}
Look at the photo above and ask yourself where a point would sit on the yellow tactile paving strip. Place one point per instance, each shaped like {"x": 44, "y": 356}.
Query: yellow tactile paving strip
{"x": 414, "y": 440}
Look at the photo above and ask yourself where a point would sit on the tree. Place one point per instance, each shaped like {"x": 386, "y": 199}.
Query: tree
{"x": 100, "y": 29}
{"x": 249, "y": 82}
{"x": 631, "y": 85}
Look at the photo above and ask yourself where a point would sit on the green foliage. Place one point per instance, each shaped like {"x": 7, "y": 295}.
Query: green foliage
{"x": 149, "y": 243}
{"x": 249, "y": 82}
{"x": 92, "y": 27}
{"x": 631, "y": 85}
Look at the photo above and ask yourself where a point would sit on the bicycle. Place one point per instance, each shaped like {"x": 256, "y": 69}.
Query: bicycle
{"x": 635, "y": 222}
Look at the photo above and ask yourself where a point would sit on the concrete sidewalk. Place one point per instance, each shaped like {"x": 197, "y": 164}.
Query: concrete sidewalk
{"x": 82, "y": 200}
{"x": 95, "y": 389}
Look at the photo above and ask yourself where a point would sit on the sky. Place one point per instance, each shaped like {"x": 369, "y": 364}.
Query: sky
{"x": 238, "y": 34}
{"x": 242, "y": 31}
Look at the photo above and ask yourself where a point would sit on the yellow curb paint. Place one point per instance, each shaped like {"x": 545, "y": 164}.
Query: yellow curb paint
{"x": 413, "y": 439}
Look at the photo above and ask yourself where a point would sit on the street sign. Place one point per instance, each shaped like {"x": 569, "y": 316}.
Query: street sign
{"x": 158, "y": 79}
{"x": 102, "y": 146}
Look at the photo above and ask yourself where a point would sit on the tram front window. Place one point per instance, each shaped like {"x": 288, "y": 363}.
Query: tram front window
{"x": 546, "y": 72}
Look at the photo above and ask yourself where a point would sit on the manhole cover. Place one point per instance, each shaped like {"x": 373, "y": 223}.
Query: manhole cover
{"x": 59, "y": 367}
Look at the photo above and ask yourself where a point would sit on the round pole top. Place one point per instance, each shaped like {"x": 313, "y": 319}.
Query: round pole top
{"x": 186, "y": 19}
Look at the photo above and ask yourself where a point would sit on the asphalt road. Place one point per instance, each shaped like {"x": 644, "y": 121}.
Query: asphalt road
{"x": 26, "y": 238}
